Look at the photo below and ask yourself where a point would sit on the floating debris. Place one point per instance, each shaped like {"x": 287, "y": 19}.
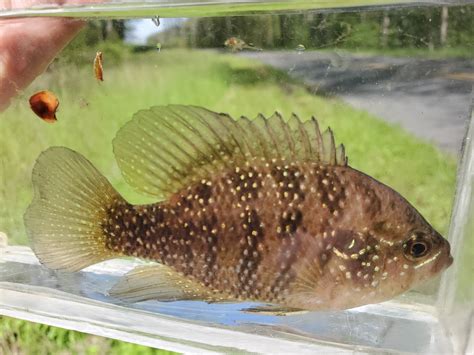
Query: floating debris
{"x": 45, "y": 104}
{"x": 300, "y": 48}
{"x": 83, "y": 103}
{"x": 98, "y": 67}
{"x": 156, "y": 21}
{"x": 236, "y": 44}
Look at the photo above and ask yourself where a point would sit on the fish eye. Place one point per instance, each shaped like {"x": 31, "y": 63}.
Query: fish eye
{"x": 417, "y": 246}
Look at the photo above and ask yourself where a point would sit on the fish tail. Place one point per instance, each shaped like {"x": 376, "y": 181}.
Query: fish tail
{"x": 64, "y": 220}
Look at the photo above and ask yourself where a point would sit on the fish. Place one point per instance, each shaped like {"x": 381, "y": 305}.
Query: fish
{"x": 45, "y": 104}
{"x": 264, "y": 209}
{"x": 236, "y": 44}
{"x": 98, "y": 67}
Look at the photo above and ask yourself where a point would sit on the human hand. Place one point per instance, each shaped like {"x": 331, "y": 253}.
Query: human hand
{"x": 28, "y": 45}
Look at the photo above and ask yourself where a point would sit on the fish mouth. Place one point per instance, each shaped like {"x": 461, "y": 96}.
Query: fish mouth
{"x": 445, "y": 260}
{"x": 448, "y": 252}
{"x": 450, "y": 261}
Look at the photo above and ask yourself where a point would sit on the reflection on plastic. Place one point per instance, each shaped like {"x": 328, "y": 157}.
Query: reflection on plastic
{"x": 376, "y": 326}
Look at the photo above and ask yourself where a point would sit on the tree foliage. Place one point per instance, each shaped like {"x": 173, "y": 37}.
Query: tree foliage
{"x": 405, "y": 28}
{"x": 99, "y": 35}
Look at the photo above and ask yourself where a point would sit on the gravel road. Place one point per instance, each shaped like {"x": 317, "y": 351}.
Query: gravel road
{"x": 430, "y": 98}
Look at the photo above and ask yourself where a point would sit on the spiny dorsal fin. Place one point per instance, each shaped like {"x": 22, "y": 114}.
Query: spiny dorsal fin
{"x": 165, "y": 148}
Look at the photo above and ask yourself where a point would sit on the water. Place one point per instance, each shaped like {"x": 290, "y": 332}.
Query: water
{"x": 394, "y": 83}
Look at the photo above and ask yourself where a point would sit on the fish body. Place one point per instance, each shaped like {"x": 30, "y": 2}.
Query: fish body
{"x": 292, "y": 225}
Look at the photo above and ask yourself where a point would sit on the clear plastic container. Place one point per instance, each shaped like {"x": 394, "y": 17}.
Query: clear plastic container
{"x": 404, "y": 114}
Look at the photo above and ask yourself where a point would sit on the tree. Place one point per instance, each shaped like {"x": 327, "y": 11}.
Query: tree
{"x": 113, "y": 29}
{"x": 385, "y": 28}
{"x": 443, "y": 31}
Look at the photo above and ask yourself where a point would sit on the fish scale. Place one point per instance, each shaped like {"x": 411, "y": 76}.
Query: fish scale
{"x": 194, "y": 232}
{"x": 263, "y": 210}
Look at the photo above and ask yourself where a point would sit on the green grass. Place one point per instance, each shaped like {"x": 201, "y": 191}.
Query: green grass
{"x": 91, "y": 113}
{"x": 20, "y": 337}
{"x": 422, "y": 53}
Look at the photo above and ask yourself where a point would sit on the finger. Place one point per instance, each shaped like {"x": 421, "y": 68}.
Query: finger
{"x": 27, "y": 46}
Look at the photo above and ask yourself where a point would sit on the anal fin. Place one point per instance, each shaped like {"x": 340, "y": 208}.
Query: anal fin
{"x": 161, "y": 283}
{"x": 275, "y": 310}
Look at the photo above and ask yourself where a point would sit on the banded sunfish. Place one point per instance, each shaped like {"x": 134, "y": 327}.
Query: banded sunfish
{"x": 264, "y": 210}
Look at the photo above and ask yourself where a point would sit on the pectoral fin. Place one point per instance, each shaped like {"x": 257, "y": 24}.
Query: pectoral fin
{"x": 159, "y": 282}
{"x": 275, "y": 310}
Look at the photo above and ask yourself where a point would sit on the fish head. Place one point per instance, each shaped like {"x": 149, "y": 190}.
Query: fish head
{"x": 381, "y": 248}
{"x": 406, "y": 248}
{"x": 416, "y": 256}
{"x": 357, "y": 268}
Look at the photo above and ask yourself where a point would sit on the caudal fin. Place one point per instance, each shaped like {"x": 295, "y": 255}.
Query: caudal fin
{"x": 71, "y": 199}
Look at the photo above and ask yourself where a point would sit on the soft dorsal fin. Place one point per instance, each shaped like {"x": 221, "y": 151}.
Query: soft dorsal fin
{"x": 165, "y": 148}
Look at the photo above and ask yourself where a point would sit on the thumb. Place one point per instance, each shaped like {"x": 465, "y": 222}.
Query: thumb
{"x": 27, "y": 46}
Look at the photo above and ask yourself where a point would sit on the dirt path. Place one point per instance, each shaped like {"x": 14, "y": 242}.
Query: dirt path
{"x": 430, "y": 98}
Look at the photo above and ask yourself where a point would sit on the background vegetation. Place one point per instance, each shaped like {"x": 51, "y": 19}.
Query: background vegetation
{"x": 25, "y": 338}
{"x": 91, "y": 113}
{"x": 441, "y": 30}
